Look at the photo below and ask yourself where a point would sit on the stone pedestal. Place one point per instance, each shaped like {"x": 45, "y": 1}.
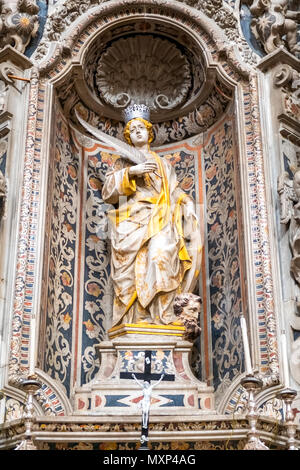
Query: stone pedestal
{"x": 115, "y": 392}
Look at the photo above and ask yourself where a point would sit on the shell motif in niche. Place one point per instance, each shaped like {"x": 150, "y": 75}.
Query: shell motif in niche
{"x": 143, "y": 69}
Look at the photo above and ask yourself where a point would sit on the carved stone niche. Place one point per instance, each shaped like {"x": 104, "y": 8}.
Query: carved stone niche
{"x": 144, "y": 69}
{"x": 159, "y": 67}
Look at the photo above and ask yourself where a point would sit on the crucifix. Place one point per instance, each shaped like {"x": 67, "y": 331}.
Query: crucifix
{"x": 146, "y": 386}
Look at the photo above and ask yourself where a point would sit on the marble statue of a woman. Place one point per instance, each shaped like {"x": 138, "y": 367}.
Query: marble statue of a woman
{"x": 155, "y": 237}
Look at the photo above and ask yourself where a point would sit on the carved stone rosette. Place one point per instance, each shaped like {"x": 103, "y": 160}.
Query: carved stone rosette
{"x": 18, "y": 24}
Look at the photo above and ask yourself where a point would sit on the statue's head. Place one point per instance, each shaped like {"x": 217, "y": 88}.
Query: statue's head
{"x": 137, "y": 115}
{"x": 187, "y": 305}
{"x": 187, "y": 308}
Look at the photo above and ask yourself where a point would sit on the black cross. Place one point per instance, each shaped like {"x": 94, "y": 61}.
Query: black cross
{"x": 146, "y": 376}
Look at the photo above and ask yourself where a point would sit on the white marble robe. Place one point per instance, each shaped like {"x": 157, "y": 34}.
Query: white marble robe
{"x": 151, "y": 261}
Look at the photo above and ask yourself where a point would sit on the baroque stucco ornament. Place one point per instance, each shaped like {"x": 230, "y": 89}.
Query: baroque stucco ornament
{"x": 289, "y": 192}
{"x": 152, "y": 64}
{"x": 18, "y": 23}
{"x": 152, "y": 71}
{"x": 66, "y": 13}
{"x": 275, "y": 24}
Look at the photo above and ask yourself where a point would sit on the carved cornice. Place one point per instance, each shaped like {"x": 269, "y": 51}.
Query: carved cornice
{"x": 11, "y": 62}
{"x": 8, "y": 53}
{"x": 284, "y": 69}
{"x": 279, "y": 56}
{"x": 105, "y": 429}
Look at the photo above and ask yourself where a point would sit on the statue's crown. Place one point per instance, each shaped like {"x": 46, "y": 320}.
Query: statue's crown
{"x": 135, "y": 111}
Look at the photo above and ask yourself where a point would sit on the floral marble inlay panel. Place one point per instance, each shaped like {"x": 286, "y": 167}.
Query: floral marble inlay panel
{"x": 224, "y": 255}
{"x": 60, "y": 301}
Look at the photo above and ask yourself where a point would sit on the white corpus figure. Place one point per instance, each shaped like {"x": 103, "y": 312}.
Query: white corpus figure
{"x": 146, "y": 401}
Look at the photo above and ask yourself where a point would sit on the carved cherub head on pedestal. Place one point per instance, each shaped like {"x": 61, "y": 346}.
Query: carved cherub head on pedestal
{"x": 187, "y": 308}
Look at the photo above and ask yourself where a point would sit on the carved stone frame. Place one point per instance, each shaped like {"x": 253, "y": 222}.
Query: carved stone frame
{"x": 243, "y": 80}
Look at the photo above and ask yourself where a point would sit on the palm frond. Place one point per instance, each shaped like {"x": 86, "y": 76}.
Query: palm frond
{"x": 125, "y": 150}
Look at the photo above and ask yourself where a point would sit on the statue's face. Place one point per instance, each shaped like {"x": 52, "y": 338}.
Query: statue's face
{"x": 138, "y": 133}
{"x": 192, "y": 308}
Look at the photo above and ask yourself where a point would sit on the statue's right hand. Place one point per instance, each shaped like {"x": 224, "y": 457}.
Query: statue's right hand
{"x": 142, "y": 168}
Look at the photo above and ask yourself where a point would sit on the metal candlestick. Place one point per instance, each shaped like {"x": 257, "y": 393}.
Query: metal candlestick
{"x": 30, "y": 386}
{"x": 252, "y": 384}
{"x": 288, "y": 395}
